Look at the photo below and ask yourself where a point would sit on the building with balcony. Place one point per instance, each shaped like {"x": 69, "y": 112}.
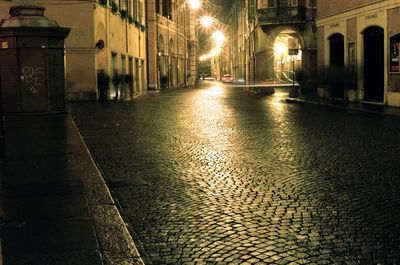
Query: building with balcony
{"x": 171, "y": 44}
{"x": 363, "y": 37}
{"x": 108, "y": 35}
{"x": 266, "y": 32}
{"x": 237, "y": 33}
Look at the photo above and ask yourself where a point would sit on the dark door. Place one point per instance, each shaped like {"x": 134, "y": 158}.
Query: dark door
{"x": 374, "y": 64}
{"x": 137, "y": 85}
{"x": 336, "y": 55}
{"x": 130, "y": 69}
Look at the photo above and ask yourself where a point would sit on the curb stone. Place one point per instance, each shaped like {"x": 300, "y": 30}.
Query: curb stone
{"x": 116, "y": 243}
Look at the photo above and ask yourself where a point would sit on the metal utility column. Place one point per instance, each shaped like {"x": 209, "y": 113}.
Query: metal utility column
{"x": 32, "y": 61}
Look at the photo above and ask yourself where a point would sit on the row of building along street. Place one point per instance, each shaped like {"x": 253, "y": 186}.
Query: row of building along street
{"x": 207, "y": 173}
{"x": 346, "y": 49}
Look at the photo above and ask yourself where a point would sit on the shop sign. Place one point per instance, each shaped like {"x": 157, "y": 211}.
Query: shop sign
{"x": 293, "y": 46}
{"x": 395, "y": 54}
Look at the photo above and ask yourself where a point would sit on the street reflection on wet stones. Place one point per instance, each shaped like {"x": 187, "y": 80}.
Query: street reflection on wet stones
{"x": 208, "y": 175}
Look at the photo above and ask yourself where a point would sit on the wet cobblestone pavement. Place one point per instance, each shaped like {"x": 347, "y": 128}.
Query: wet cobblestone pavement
{"x": 210, "y": 176}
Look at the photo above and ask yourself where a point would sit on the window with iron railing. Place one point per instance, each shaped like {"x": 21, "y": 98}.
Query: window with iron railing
{"x": 271, "y": 3}
{"x": 282, "y": 14}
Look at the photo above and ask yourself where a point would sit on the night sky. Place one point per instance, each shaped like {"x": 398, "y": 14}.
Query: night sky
{"x": 226, "y": 5}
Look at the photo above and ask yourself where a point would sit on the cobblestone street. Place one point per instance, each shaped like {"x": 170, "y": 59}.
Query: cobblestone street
{"x": 208, "y": 175}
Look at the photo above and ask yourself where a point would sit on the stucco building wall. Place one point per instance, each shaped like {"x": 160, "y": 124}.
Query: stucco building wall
{"x": 89, "y": 23}
{"x": 353, "y": 19}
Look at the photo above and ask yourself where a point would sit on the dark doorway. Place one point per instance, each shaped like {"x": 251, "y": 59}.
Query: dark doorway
{"x": 336, "y": 55}
{"x": 374, "y": 65}
{"x": 130, "y": 69}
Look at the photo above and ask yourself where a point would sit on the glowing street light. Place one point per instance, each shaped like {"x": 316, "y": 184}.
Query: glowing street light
{"x": 279, "y": 49}
{"x": 206, "y": 21}
{"x": 219, "y": 37}
{"x": 194, "y": 4}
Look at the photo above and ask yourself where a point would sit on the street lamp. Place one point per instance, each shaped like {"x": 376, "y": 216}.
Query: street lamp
{"x": 194, "y": 4}
{"x": 206, "y": 21}
{"x": 219, "y": 38}
{"x": 279, "y": 49}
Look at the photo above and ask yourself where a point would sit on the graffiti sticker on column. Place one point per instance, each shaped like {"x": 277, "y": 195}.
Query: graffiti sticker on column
{"x": 33, "y": 77}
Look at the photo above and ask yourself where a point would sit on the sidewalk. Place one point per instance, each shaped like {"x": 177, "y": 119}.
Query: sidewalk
{"x": 55, "y": 207}
{"x": 341, "y": 104}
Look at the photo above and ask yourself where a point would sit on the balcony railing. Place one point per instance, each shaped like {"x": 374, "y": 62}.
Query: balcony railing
{"x": 282, "y": 14}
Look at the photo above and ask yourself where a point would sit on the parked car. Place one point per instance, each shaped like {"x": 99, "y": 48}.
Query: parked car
{"x": 227, "y": 78}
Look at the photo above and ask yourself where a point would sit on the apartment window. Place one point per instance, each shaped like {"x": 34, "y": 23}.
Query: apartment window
{"x": 114, "y": 60}
{"x": 142, "y": 69}
{"x": 158, "y": 6}
{"x": 165, "y": 7}
{"x": 141, "y": 17}
{"x": 294, "y": 2}
{"x": 129, "y": 3}
{"x": 252, "y": 9}
{"x": 123, "y": 65}
{"x": 271, "y": 3}
{"x": 125, "y": 4}
{"x": 135, "y": 10}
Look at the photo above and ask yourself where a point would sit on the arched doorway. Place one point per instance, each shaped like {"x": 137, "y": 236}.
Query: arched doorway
{"x": 336, "y": 63}
{"x": 286, "y": 65}
{"x": 374, "y": 64}
{"x": 336, "y": 50}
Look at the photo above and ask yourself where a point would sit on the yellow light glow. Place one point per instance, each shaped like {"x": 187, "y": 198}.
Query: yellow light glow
{"x": 206, "y": 21}
{"x": 194, "y": 4}
{"x": 211, "y": 54}
{"x": 218, "y": 37}
{"x": 203, "y": 57}
{"x": 279, "y": 49}
{"x": 299, "y": 56}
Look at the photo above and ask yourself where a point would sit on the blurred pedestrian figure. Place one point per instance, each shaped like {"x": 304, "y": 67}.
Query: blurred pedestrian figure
{"x": 103, "y": 82}
{"x": 116, "y": 81}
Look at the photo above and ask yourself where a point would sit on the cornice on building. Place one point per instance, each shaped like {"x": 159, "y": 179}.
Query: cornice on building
{"x": 354, "y": 11}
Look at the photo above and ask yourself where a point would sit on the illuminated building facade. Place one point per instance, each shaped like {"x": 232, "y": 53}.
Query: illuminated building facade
{"x": 266, "y": 29}
{"x": 362, "y": 36}
{"x": 171, "y": 44}
{"x": 108, "y": 35}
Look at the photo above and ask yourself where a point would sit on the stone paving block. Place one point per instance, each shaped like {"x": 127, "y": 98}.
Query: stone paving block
{"x": 295, "y": 180}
